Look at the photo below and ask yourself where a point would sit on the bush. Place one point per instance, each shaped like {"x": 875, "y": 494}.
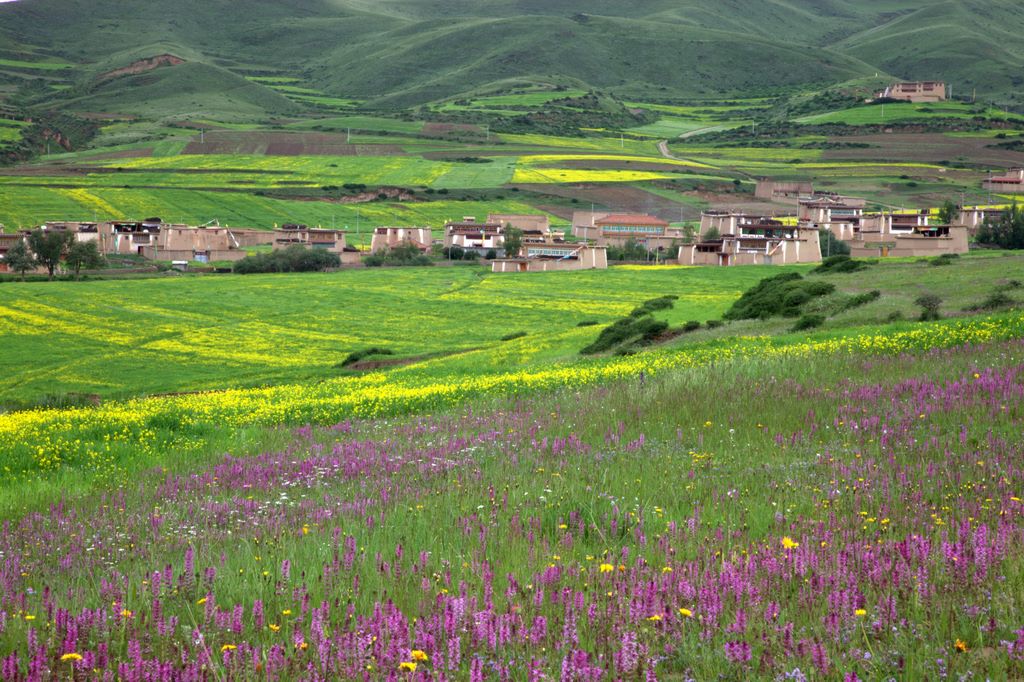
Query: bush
{"x": 783, "y": 294}
{"x": 839, "y": 264}
{"x": 653, "y": 305}
{"x": 860, "y": 299}
{"x": 996, "y": 301}
{"x": 929, "y": 307}
{"x": 626, "y": 329}
{"x": 513, "y": 336}
{"x": 809, "y": 321}
{"x": 714, "y": 324}
{"x": 588, "y": 323}
{"x": 402, "y": 255}
{"x": 944, "y": 259}
{"x": 358, "y": 355}
{"x": 295, "y": 258}
{"x": 832, "y": 246}
{"x": 691, "y": 326}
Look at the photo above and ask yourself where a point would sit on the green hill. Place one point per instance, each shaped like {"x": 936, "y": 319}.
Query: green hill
{"x": 397, "y": 53}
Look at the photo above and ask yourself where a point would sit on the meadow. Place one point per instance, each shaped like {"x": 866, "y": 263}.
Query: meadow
{"x": 847, "y": 515}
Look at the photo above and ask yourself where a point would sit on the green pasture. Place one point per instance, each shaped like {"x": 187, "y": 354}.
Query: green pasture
{"x": 878, "y": 114}
{"x": 371, "y": 123}
{"x": 48, "y": 65}
{"x": 121, "y": 338}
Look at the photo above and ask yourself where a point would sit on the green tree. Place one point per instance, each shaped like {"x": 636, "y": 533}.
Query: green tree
{"x": 1007, "y": 232}
{"x": 84, "y": 255}
{"x": 513, "y": 241}
{"x": 50, "y": 247}
{"x": 948, "y": 213}
{"x": 20, "y": 259}
{"x": 711, "y": 235}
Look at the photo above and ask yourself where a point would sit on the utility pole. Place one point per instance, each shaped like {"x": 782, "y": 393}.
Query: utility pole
{"x": 202, "y": 136}
{"x": 348, "y": 136}
{"x": 487, "y": 131}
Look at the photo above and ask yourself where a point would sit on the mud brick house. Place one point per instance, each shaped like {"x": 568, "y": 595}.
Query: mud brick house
{"x": 751, "y": 240}
{"x": 906, "y": 234}
{"x": 790, "y": 192}
{"x": 555, "y": 255}
{"x": 1012, "y": 182}
{"x": 915, "y": 91}
{"x": 535, "y": 228}
{"x": 973, "y": 217}
{"x": 838, "y": 214}
{"x": 615, "y": 229}
{"x": 291, "y": 234}
{"x": 470, "y": 235}
{"x": 201, "y": 244}
{"x": 385, "y": 238}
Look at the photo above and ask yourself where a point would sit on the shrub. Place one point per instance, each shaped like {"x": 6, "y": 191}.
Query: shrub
{"x": 944, "y": 259}
{"x": 513, "y": 336}
{"x": 839, "y": 264}
{"x": 295, "y": 258}
{"x": 653, "y": 305}
{"x": 808, "y": 321}
{"x": 860, "y": 299}
{"x": 929, "y": 307}
{"x": 588, "y": 323}
{"x": 691, "y": 326}
{"x": 894, "y": 316}
{"x": 402, "y": 255}
{"x": 782, "y": 294}
{"x": 996, "y": 301}
{"x": 358, "y": 355}
{"x": 714, "y": 324}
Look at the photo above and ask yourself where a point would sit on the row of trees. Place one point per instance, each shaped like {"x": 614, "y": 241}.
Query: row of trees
{"x": 1007, "y": 232}
{"x": 50, "y": 248}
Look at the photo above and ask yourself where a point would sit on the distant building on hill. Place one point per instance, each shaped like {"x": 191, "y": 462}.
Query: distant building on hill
{"x": 838, "y": 214}
{"x": 915, "y": 91}
{"x": 385, "y": 238}
{"x": 1013, "y": 181}
{"x": 615, "y": 229}
{"x": 751, "y": 240}
{"x": 773, "y": 190}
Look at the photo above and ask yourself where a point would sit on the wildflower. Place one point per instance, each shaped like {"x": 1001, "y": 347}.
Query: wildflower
{"x": 29, "y": 616}
{"x": 228, "y": 647}
{"x": 274, "y": 627}
{"x": 860, "y": 613}
{"x": 960, "y": 645}
{"x": 655, "y": 618}
{"x": 302, "y": 646}
{"x": 667, "y": 569}
{"x": 407, "y": 666}
{"x": 419, "y": 656}
{"x": 788, "y": 543}
{"x": 201, "y": 601}
{"x": 71, "y": 657}
{"x": 563, "y": 526}
{"x": 125, "y": 613}
{"x": 685, "y": 613}
{"x": 607, "y": 568}
{"x": 286, "y": 612}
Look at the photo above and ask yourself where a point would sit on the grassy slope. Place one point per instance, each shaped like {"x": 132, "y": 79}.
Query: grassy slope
{"x": 203, "y": 333}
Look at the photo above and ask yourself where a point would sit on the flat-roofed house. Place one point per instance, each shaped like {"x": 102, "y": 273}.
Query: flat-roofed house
{"x": 752, "y": 240}
{"x": 555, "y": 255}
{"x": 1012, "y": 182}
{"x": 651, "y": 232}
{"x": 201, "y": 244}
{"x": 524, "y": 222}
{"x": 915, "y": 91}
{"x": 838, "y": 214}
{"x": 470, "y": 235}
{"x": 974, "y": 217}
{"x": 292, "y": 234}
{"x": 584, "y": 225}
{"x": 775, "y": 190}
{"x": 385, "y": 238}
{"x": 906, "y": 234}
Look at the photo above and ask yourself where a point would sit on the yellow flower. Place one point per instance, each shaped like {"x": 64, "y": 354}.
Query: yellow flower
{"x": 860, "y": 613}
{"x": 71, "y": 657}
{"x": 667, "y": 569}
{"x": 655, "y": 618}
{"x": 228, "y": 647}
{"x": 418, "y": 655}
{"x": 960, "y": 645}
{"x": 286, "y": 612}
{"x": 686, "y": 613}
{"x": 29, "y": 616}
{"x": 125, "y": 613}
{"x": 201, "y": 601}
{"x": 607, "y": 568}
{"x": 407, "y": 666}
{"x": 302, "y": 645}
{"x": 788, "y": 543}
{"x": 274, "y": 627}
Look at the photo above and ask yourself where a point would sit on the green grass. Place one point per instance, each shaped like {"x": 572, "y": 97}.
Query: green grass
{"x": 878, "y": 114}
{"x": 48, "y": 65}
{"x": 371, "y": 123}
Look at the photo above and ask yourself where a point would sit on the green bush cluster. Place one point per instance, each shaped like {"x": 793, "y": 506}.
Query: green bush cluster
{"x": 356, "y": 356}
{"x": 295, "y": 258}
{"x": 653, "y": 305}
{"x": 783, "y": 294}
{"x": 838, "y": 264}
{"x": 808, "y": 321}
{"x": 404, "y": 254}
{"x": 859, "y": 300}
{"x": 639, "y": 327}
{"x": 513, "y": 336}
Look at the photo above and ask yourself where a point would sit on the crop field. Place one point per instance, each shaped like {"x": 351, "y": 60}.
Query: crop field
{"x": 897, "y": 112}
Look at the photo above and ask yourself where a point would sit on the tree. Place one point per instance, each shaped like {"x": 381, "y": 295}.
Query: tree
{"x": 712, "y": 234}
{"x": 84, "y": 255}
{"x": 20, "y": 259}
{"x": 948, "y": 213}
{"x": 830, "y": 246}
{"x": 49, "y": 246}
{"x": 1007, "y": 232}
{"x": 513, "y": 241}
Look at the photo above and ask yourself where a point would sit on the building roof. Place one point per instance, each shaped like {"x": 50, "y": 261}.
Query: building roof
{"x": 631, "y": 219}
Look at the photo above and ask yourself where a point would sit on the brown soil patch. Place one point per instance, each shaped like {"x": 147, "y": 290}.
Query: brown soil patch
{"x": 142, "y": 66}
{"x": 626, "y": 199}
{"x": 436, "y": 129}
{"x": 925, "y": 148}
{"x": 284, "y": 144}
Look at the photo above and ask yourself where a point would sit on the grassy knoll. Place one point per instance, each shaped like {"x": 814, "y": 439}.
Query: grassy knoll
{"x": 878, "y": 114}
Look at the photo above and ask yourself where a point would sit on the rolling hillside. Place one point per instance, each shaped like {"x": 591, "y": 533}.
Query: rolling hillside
{"x": 399, "y": 53}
